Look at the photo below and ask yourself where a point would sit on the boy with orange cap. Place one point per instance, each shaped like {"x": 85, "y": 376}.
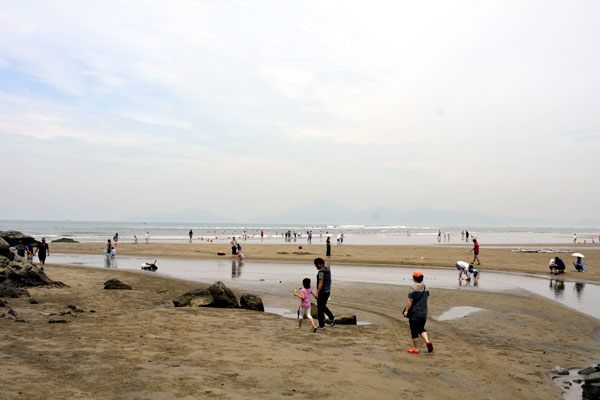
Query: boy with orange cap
{"x": 416, "y": 312}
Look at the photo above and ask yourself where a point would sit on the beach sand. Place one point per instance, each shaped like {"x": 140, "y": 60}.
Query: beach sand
{"x": 492, "y": 258}
{"x": 137, "y": 345}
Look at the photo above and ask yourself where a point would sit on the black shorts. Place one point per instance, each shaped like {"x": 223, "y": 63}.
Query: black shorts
{"x": 476, "y": 253}
{"x": 417, "y": 326}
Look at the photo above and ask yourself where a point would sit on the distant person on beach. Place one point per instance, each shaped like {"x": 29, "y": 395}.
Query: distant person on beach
{"x": 474, "y": 273}
{"x": 475, "y": 252}
{"x": 116, "y": 239}
{"x": 191, "y": 234}
{"x": 262, "y": 233}
{"x": 462, "y": 235}
{"x": 42, "y": 252}
{"x": 328, "y": 247}
{"x": 579, "y": 265}
{"x": 439, "y": 236}
{"x": 304, "y": 308}
{"x": 575, "y": 238}
{"x": 113, "y": 253}
{"x": 466, "y": 236}
{"x": 29, "y": 252}
{"x": 108, "y": 247}
{"x": 463, "y": 268}
{"x": 323, "y": 293}
{"x": 147, "y": 237}
{"x": 21, "y": 249}
{"x": 233, "y": 246}
{"x": 558, "y": 267}
{"x": 135, "y": 239}
{"x": 416, "y": 312}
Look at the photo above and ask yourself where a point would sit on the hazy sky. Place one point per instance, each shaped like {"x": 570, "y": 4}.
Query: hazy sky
{"x": 117, "y": 109}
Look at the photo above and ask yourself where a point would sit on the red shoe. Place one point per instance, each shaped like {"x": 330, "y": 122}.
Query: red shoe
{"x": 429, "y": 347}
{"x": 413, "y": 351}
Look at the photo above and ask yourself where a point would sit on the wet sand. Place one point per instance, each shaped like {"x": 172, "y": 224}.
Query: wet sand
{"x": 136, "y": 345}
{"x": 492, "y": 258}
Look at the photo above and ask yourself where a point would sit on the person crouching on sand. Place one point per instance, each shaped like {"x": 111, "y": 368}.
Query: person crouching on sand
{"x": 463, "y": 268}
{"x": 304, "y": 308}
{"x": 416, "y": 312}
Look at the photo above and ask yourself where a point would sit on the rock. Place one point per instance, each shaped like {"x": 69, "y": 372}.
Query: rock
{"x": 71, "y": 313}
{"x": 251, "y": 302}
{"x": 21, "y": 273}
{"x": 577, "y": 380}
{"x": 560, "y": 370}
{"x": 591, "y": 378}
{"x": 92, "y": 311}
{"x": 3, "y": 303}
{"x": 195, "y": 298}
{"x": 65, "y": 240}
{"x": 223, "y": 297}
{"x": 591, "y": 391}
{"x": 33, "y": 301}
{"x": 115, "y": 284}
{"x": 14, "y": 313}
{"x": 586, "y": 371}
{"x": 8, "y": 290}
{"x": 58, "y": 321}
{"x": 74, "y": 308}
{"x": 13, "y": 238}
{"x": 345, "y": 320}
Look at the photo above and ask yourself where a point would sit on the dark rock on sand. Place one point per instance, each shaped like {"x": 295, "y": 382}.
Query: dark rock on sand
{"x": 74, "y": 308}
{"x": 195, "y": 298}
{"x": 593, "y": 378}
{"x": 33, "y": 301}
{"x": 115, "y": 284}
{"x": 591, "y": 391}
{"x": 14, "y": 313}
{"x": 58, "y": 321}
{"x": 65, "y": 240}
{"x": 587, "y": 371}
{"x": 251, "y": 302}
{"x": 9, "y": 290}
{"x": 223, "y": 296}
{"x": 14, "y": 237}
{"x": 3, "y": 303}
{"x": 347, "y": 319}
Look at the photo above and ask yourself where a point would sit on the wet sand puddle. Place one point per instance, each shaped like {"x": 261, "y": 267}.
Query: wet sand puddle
{"x": 457, "y": 312}
{"x": 580, "y": 296}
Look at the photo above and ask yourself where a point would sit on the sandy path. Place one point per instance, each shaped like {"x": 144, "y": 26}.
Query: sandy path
{"x": 136, "y": 345}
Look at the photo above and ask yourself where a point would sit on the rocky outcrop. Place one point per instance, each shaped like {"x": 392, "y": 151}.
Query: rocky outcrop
{"x": 8, "y": 290}
{"x": 223, "y": 297}
{"x": 13, "y": 238}
{"x": 115, "y": 284}
{"x": 17, "y": 272}
{"x": 347, "y": 319}
{"x": 252, "y": 302}
{"x": 65, "y": 240}
{"x": 195, "y": 298}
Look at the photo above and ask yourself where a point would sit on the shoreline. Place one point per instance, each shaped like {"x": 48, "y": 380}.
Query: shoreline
{"x": 136, "y": 344}
{"x": 492, "y": 258}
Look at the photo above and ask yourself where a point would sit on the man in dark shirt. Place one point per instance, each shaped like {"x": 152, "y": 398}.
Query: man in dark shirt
{"x": 323, "y": 292}
{"x": 559, "y": 266}
{"x": 42, "y": 251}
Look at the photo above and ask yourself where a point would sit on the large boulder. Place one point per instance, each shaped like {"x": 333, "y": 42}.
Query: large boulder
{"x": 251, "y": 302}
{"x": 223, "y": 296}
{"x": 19, "y": 272}
{"x": 8, "y": 290}
{"x": 348, "y": 319}
{"x": 591, "y": 391}
{"x": 5, "y": 250}
{"x": 115, "y": 284}
{"x": 14, "y": 237}
{"x": 195, "y": 298}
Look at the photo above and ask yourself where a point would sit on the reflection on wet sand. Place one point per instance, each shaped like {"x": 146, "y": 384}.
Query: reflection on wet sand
{"x": 557, "y": 286}
{"x": 579, "y": 286}
{"x": 236, "y": 268}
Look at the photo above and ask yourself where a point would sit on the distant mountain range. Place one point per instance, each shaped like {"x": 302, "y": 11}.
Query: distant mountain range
{"x": 330, "y": 213}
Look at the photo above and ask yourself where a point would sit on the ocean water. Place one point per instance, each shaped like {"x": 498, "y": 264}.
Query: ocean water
{"x": 100, "y": 231}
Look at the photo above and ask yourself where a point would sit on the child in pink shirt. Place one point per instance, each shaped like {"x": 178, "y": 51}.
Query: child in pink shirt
{"x": 304, "y": 308}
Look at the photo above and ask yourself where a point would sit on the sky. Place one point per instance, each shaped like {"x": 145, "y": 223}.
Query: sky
{"x": 117, "y": 109}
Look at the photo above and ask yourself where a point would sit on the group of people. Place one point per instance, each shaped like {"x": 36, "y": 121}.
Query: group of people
{"x": 236, "y": 249}
{"x": 557, "y": 265}
{"x": 415, "y": 310}
{"x": 28, "y": 251}
{"x": 467, "y": 270}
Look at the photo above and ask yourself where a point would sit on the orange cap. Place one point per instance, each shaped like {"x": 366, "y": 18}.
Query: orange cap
{"x": 417, "y": 273}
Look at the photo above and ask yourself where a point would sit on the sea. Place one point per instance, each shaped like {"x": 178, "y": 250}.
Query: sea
{"x": 164, "y": 232}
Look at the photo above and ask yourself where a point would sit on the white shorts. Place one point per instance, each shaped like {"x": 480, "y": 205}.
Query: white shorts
{"x": 302, "y": 311}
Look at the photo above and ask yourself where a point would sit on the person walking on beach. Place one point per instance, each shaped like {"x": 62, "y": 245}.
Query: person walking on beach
{"x": 416, "y": 312}
{"x": 116, "y": 239}
{"x": 233, "y": 247}
{"x": 42, "y": 251}
{"x": 475, "y": 252}
{"x": 439, "y": 236}
{"x": 466, "y": 236}
{"x": 191, "y": 234}
{"x": 304, "y": 308}
{"x": 262, "y": 234}
{"x": 135, "y": 239}
{"x": 108, "y": 248}
{"x": 575, "y": 238}
{"x": 328, "y": 247}
{"x": 147, "y": 237}
{"x": 323, "y": 293}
